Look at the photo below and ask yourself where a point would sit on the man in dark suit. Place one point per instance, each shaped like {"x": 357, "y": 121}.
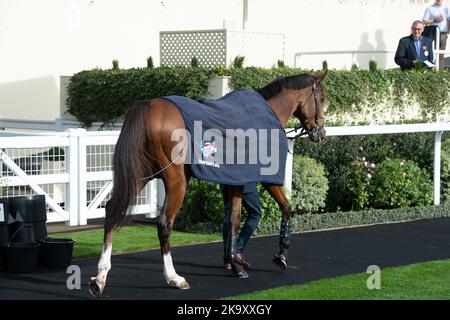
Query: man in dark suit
{"x": 414, "y": 49}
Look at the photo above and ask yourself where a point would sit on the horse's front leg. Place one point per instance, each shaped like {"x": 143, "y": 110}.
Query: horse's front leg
{"x": 280, "y": 259}
{"x": 235, "y": 198}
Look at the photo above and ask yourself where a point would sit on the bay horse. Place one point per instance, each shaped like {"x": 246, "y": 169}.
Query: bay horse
{"x": 145, "y": 149}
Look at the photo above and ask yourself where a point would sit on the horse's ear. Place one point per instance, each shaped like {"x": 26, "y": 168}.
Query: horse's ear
{"x": 311, "y": 72}
{"x": 322, "y": 76}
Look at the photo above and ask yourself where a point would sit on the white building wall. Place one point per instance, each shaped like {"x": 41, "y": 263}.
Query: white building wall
{"x": 41, "y": 40}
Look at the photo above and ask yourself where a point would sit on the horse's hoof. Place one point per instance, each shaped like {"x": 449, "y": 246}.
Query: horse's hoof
{"x": 239, "y": 271}
{"x": 184, "y": 285}
{"x": 95, "y": 288}
{"x": 280, "y": 261}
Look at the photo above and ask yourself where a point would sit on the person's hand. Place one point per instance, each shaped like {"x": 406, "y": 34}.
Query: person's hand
{"x": 441, "y": 18}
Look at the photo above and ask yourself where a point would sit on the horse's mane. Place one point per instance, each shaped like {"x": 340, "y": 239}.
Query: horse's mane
{"x": 290, "y": 82}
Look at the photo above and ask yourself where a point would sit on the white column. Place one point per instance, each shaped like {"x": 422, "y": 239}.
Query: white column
{"x": 437, "y": 168}
{"x": 289, "y": 168}
{"x": 82, "y": 179}
{"x": 73, "y": 191}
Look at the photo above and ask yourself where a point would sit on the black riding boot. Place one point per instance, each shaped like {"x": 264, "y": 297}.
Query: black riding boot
{"x": 238, "y": 269}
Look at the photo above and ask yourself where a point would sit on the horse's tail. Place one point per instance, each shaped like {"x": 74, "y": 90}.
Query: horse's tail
{"x": 131, "y": 165}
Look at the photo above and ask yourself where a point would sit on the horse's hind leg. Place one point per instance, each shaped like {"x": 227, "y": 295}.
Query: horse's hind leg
{"x": 175, "y": 190}
{"x": 98, "y": 283}
{"x": 235, "y": 199}
{"x": 280, "y": 259}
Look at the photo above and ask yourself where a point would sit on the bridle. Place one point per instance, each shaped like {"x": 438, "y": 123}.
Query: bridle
{"x": 316, "y": 130}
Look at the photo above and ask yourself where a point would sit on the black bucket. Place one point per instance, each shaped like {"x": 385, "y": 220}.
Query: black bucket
{"x": 5, "y": 220}
{"x": 31, "y": 209}
{"x": 22, "y": 232}
{"x": 2, "y": 258}
{"x": 22, "y": 257}
{"x": 56, "y": 253}
{"x": 4, "y": 234}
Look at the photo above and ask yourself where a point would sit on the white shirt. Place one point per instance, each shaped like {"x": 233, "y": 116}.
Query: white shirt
{"x": 433, "y": 12}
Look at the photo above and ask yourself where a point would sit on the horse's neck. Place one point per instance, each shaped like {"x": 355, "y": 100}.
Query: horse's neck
{"x": 284, "y": 105}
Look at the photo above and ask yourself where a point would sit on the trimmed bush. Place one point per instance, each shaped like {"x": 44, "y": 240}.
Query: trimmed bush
{"x": 105, "y": 95}
{"x": 397, "y": 183}
{"x": 309, "y": 185}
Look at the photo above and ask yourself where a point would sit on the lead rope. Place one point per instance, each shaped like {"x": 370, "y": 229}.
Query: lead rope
{"x": 163, "y": 169}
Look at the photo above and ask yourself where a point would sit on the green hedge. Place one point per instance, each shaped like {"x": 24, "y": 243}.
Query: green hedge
{"x": 104, "y": 95}
{"x": 309, "y": 222}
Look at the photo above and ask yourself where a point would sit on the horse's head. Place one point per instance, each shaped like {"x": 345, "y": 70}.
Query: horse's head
{"x": 310, "y": 109}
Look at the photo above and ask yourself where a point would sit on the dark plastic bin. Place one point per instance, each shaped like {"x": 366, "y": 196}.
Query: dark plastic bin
{"x": 56, "y": 252}
{"x": 22, "y": 257}
{"x": 5, "y": 220}
{"x": 2, "y": 258}
{"x": 30, "y": 209}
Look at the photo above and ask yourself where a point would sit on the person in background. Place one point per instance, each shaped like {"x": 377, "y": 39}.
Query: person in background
{"x": 250, "y": 201}
{"x": 438, "y": 15}
{"x": 414, "y": 49}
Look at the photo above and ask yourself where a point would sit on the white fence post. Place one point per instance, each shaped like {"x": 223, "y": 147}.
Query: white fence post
{"x": 73, "y": 166}
{"x": 82, "y": 185}
{"x": 437, "y": 168}
{"x": 289, "y": 168}
{"x": 161, "y": 194}
{"x": 152, "y": 199}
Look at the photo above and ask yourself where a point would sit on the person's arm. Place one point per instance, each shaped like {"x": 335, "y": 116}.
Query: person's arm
{"x": 400, "y": 57}
{"x": 427, "y": 19}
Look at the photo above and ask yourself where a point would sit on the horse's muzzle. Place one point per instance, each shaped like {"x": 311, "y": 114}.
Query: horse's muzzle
{"x": 317, "y": 134}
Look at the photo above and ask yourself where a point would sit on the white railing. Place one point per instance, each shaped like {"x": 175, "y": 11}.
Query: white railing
{"x": 59, "y": 125}
{"x": 354, "y": 53}
{"x": 80, "y": 178}
{"x": 86, "y": 172}
{"x": 438, "y": 128}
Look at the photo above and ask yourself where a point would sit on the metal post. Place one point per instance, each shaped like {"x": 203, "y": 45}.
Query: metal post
{"x": 437, "y": 168}
{"x": 438, "y": 46}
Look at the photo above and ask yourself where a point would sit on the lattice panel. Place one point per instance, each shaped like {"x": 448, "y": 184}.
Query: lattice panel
{"x": 178, "y": 48}
{"x": 99, "y": 158}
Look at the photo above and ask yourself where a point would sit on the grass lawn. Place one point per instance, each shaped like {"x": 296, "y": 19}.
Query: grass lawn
{"x": 129, "y": 239}
{"x": 424, "y": 281}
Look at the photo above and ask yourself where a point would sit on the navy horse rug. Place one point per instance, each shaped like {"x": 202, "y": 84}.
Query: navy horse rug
{"x": 234, "y": 140}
